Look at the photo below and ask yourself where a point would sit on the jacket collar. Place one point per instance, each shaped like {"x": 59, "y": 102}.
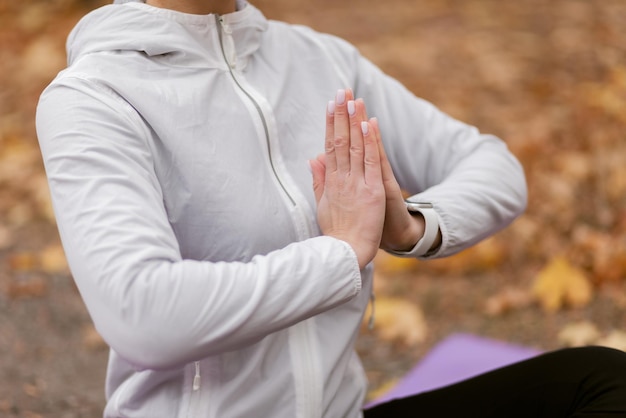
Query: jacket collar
{"x": 246, "y": 25}
{"x": 117, "y": 28}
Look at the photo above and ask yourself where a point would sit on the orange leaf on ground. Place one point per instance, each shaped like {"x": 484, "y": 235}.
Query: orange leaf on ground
{"x": 22, "y": 261}
{"x": 603, "y": 253}
{"x": 398, "y": 320}
{"x": 561, "y": 284}
{"x": 485, "y": 256}
{"x": 52, "y": 259}
{"x": 32, "y": 287}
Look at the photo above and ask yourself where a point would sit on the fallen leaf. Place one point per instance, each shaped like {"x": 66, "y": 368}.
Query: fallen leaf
{"x": 398, "y": 320}
{"x": 31, "y": 287}
{"x": 5, "y": 405}
{"x": 576, "y": 166}
{"x": 22, "y": 261}
{"x": 42, "y": 59}
{"x": 485, "y": 256}
{"x": 603, "y": 253}
{"x": 616, "y": 182}
{"x": 382, "y": 390}
{"x": 34, "y": 18}
{"x": 52, "y": 259}
{"x": 561, "y": 284}
{"x": 579, "y": 334}
{"x": 31, "y": 390}
{"x": 390, "y": 265}
{"x": 609, "y": 95}
{"x": 509, "y": 299}
{"x": 616, "y": 339}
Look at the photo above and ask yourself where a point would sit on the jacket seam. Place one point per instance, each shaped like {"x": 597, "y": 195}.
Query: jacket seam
{"x": 127, "y": 109}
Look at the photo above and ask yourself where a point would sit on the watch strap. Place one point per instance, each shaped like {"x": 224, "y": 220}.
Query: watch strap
{"x": 431, "y": 228}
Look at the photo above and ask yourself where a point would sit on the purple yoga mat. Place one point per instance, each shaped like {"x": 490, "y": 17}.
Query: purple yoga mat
{"x": 456, "y": 358}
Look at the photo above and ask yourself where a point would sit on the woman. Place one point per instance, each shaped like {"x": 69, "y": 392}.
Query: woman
{"x": 180, "y": 148}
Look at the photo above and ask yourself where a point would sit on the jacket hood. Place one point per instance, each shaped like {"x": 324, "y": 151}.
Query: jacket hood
{"x": 131, "y": 25}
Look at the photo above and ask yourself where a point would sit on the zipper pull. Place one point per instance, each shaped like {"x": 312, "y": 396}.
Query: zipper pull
{"x": 196, "y": 378}
{"x": 225, "y": 27}
{"x": 226, "y": 42}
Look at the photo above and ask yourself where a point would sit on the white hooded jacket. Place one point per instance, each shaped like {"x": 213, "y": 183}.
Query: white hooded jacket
{"x": 176, "y": 148}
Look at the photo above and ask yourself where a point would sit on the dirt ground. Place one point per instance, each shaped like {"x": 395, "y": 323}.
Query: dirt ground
{"x": 549, "y": 77}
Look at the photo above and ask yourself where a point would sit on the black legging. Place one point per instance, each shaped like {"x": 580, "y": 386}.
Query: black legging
{"x": 587, "y": 382}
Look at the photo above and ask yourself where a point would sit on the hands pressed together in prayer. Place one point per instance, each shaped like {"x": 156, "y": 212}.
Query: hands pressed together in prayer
{"x": 358, "y": 198}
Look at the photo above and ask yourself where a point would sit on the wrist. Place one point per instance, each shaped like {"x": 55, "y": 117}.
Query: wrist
{"x": 412, "y": 233}
{"x": 364, "y": 252}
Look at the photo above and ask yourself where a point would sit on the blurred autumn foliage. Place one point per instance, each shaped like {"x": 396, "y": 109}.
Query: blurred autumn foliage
{"x": 549, "y": 77}
{"x": 554, "y": 87}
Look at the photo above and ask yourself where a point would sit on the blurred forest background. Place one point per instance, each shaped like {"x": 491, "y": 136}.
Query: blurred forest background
{"x": 549, "y": 77}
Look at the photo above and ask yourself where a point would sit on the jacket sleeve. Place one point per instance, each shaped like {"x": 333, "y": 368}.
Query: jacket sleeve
{"x": 152, "y": 307}
{"x": 475, "y": 183}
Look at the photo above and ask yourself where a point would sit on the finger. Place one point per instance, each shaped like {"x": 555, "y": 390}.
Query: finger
{"x": 355, "y": 109}
{"x": 329, "y": 144}
{"x": 342, "y": 133}
{"x": 371, "y": 161}
{"x": 319, "y": 177}
{"x": 386, "y": 170}
{"x": 349, "y": 94}
{"x": 362, "y": 110}
{"x": 322, "y": 159}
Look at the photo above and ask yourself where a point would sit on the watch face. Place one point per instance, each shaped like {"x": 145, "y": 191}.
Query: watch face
{"x": 418, "y": 205}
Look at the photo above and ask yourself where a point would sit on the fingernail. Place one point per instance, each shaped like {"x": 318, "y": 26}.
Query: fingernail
{"x": 310, "y": 166}
{"x": 364, "y": 128}
{"x": 331, "y": 107}
{"x": 351, "y": 107}
{"x": 341, "y": 96}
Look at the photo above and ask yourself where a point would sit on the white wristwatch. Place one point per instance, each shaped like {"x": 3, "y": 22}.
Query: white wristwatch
{"x": 431, "y": 228}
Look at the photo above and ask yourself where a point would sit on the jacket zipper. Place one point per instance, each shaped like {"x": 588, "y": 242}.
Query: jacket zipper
{"x": 222, "y": 26}
{"x": 196, "y": 378}
{"x": 194, "y": 396}
{"x": 302, "y": 335}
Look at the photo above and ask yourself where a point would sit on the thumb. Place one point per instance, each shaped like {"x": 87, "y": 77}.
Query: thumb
{"x": 319, "y": 177}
